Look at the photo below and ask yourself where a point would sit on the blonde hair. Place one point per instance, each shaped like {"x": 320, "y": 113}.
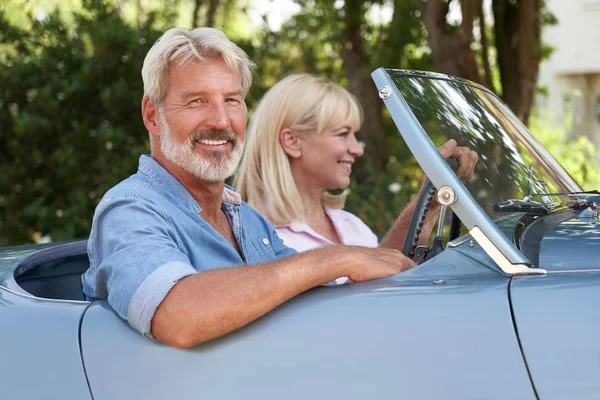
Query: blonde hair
{"x": 183, "y": 46}
{"x": 307, "y": 105}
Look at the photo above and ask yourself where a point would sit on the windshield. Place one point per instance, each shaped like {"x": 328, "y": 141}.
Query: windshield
{"x": 512, "y": 163}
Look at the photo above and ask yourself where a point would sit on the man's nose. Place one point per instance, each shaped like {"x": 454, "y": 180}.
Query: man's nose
{"x": 218, "y": 117}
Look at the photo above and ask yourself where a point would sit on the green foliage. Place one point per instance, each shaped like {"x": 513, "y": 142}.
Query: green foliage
{"x": 576, "y": 154}
{"x": 70, "y": 97}
{"x": 70, "y": 125}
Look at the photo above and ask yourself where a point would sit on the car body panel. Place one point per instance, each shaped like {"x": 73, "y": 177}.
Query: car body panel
{"x": 570, "y": 246}
{"x": 40, "y": 349}
{"x": 400, "y": 337}
{"x": 558, "y": 321}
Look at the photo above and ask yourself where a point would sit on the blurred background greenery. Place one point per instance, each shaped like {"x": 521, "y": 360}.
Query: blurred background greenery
{"x": 70, "y": 88}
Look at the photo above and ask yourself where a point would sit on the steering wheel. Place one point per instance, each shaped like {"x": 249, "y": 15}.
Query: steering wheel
{"x": 418, "y": 217}
{"x": 417, "y": 220}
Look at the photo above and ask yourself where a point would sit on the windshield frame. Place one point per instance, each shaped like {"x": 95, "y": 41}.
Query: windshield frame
{"x": 506, "y": 255}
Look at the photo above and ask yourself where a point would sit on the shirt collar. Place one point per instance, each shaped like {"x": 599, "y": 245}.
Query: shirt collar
{"x": 173, "y": 188}
{"x": 336, "y": 215}
{"x": 231, "y": 196}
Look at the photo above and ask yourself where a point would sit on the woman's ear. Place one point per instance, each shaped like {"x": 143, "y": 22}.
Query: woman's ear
{"x": 290, "y": 142}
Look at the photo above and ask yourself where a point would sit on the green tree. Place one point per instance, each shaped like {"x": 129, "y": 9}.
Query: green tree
{"x": 574, "y": 153}
{"x": 71, "y": 90}
{"x": 516, "y": 31}
{"x": 69, "y": 95}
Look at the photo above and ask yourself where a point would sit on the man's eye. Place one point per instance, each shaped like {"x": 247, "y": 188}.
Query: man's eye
{"x": 197, "y": 101}
{"x": 232, "y": 100}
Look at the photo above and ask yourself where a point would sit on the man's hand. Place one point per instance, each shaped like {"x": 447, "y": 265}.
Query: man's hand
{"x": 467, "y": 158}
{"x": 367, "y": 263}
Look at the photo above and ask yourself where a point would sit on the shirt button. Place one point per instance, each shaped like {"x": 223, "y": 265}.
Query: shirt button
{"x": 266, "y": 241}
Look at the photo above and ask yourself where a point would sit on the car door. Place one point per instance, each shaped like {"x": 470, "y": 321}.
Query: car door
{"x": 408, "y": 336}
{"x": 558, "y": 322}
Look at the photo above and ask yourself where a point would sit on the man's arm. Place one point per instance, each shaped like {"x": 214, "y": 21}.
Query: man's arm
{"x": 395, "y": 237}
{"x": 212, "y": 303}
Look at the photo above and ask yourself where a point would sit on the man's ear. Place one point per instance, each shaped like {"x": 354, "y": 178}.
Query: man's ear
{"x": 290, "y": 143}
{"x": 150, "y": 116}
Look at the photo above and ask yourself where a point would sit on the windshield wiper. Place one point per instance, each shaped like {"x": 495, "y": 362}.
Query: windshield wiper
{"x": 570, "y": 194}
{"x": 515, "y": 205}
{"x": 583, "y": 199}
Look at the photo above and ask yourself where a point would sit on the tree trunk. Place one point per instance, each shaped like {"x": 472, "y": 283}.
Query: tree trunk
{"x": 212, "y": 11}
{"x": 451, "y": 51}
{"x": 488, "y": 79}
{"x": 357, "y": 69}
{"x": 518, "y": 44}
{"x": 196, "y": 13}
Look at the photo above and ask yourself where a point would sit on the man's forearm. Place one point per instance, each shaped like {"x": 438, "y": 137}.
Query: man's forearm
{"x": 212, "y": 303}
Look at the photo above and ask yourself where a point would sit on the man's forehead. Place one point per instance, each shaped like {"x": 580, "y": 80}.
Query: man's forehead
{"x": 203, "y": 92}
{"x": 196, "y": 66}
{"x": 203, "y": 77}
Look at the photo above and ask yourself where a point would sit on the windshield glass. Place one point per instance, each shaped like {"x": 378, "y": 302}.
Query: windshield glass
{"x": 512, "y": 164}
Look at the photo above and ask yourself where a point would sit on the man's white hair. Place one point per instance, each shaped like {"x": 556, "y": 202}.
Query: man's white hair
{"x": 183, "y": 46}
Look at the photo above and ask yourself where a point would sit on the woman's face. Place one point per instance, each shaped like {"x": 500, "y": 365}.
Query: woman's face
{"x": 326, "y": 158}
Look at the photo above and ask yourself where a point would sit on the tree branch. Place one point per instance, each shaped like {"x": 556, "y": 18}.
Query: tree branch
{"x": 488, "y": 80}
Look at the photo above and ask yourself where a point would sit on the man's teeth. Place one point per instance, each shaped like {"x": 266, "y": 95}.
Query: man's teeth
{"x": 213, "y": 142}
{"x": 345, "y": 162}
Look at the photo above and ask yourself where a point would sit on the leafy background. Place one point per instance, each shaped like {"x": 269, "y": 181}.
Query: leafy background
{"x": 70, "y": 92}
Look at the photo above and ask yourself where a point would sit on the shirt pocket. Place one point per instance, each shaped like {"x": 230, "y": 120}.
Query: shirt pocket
{"x": 260, "y": 250}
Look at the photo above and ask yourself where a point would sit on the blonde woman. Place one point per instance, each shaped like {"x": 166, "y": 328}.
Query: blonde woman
{"x": 300, "y": 144}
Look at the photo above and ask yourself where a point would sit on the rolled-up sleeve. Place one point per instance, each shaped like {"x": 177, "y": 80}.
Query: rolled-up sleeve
{"x": 134, "y": 259}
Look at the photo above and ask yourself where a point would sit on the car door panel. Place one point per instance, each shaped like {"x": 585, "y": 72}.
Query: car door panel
{"x": 558, "y": 321}
{"x": 393, "y": 338}
{"x": 40, "y": 355}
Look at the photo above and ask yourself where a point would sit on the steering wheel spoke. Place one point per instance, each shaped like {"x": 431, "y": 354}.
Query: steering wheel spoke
{"x": 424, "y": 253}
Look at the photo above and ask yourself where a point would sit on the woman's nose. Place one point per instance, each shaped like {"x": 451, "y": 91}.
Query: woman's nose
{"x": 356, "y": 148}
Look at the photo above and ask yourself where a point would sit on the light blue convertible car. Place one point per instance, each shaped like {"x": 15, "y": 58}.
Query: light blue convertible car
{"x": 505, "y": 303}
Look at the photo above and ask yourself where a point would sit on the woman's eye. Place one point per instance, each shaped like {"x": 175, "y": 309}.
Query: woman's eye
{"x": 345, "y": 133}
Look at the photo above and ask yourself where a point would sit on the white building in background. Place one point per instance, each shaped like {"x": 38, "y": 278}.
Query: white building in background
{"x": 572, "y": 74}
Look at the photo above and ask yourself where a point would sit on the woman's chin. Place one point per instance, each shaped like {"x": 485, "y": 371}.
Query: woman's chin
{"x": 340, "y": 185}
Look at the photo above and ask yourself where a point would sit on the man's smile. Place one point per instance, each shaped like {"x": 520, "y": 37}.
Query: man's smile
{"x": 214, "y": 145}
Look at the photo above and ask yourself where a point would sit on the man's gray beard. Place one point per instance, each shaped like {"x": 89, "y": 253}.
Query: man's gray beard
{"x": 217, "y": 168}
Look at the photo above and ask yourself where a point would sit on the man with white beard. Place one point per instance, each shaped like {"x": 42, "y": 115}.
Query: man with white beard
{"x": 173, "y": 249}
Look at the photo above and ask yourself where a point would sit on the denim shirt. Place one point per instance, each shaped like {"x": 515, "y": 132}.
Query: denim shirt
{"x": 148, "y": 233}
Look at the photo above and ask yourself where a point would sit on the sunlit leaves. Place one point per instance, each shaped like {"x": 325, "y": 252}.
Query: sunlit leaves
{"x": 71, "y": 97}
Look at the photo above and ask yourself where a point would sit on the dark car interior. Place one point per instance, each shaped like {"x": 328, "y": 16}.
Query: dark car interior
{"x": 55, "y": 273}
